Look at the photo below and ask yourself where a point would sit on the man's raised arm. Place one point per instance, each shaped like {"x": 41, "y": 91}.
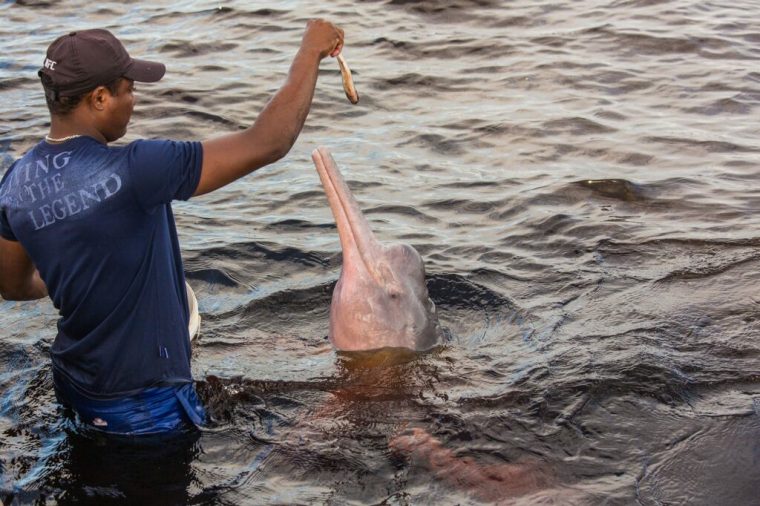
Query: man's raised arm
{"x": 276, "y": 129}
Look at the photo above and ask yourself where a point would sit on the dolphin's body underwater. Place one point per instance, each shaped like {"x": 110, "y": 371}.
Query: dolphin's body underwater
{"x": 380, "y": 300}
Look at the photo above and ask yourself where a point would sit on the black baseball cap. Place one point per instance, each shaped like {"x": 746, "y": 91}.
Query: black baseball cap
{"x": 81, "y": 61}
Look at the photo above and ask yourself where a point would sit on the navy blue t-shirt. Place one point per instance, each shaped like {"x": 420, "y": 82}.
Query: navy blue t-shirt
{"x": 98, "y": 224}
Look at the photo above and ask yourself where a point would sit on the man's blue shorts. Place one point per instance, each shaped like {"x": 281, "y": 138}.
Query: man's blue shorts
{"x": 154, "y": 410}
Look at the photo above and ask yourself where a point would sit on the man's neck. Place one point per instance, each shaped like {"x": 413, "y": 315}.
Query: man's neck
{"x": 62, "y": 127}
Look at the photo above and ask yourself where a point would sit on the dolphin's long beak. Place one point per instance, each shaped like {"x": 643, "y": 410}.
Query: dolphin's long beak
{"x": 356, "y": 237}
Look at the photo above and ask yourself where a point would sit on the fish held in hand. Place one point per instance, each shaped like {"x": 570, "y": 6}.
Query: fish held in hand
{"x": 348, "y": 81}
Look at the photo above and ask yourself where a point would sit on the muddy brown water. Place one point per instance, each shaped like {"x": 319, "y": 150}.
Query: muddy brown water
{"x": 581, "y": 179}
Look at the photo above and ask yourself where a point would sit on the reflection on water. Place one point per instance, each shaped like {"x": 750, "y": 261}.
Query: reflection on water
{"x": 580, "y": 179}
{"x": 109, "y": 470}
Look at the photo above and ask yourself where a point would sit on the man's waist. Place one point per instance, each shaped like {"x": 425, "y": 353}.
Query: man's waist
{"x": 155, "y": 409}
{"x": 62, "y": 379}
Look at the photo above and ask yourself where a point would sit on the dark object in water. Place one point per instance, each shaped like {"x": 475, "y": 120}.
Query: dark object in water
{"x": 620, "y": 189}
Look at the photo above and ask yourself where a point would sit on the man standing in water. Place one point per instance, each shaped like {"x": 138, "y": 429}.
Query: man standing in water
{"x": 92, "y": 227}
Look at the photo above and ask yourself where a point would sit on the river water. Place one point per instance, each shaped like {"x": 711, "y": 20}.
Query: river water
{"x": 581, "y": 180}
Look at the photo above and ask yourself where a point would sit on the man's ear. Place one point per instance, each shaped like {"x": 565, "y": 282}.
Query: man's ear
{"x": 99, "y": 97}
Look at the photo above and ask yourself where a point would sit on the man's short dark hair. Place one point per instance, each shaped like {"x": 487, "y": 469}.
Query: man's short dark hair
{"x": 62, "y": 106}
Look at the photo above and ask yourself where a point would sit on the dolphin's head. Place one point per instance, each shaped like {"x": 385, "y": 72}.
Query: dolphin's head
{"x": 389, "y": 307}
{"x": 381, "y": 299}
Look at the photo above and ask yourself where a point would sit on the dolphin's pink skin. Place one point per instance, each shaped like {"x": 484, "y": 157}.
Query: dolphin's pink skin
{"x": 495, "y": 483}
{"x": 381, "y": 299}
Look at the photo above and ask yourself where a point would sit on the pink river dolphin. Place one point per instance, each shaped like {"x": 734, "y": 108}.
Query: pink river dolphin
{"x": 381, "y": 299}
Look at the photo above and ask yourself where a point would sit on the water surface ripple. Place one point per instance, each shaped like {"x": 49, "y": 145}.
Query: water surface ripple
{"x": 581, "y": 180}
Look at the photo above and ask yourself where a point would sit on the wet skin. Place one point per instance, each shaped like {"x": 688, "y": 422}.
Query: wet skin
{"x": 381, "y": 299}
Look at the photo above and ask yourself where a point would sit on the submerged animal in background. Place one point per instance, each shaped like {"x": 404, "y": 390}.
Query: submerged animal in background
{"x": 381, "y": 299}
{"x": 502, "y": 483}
